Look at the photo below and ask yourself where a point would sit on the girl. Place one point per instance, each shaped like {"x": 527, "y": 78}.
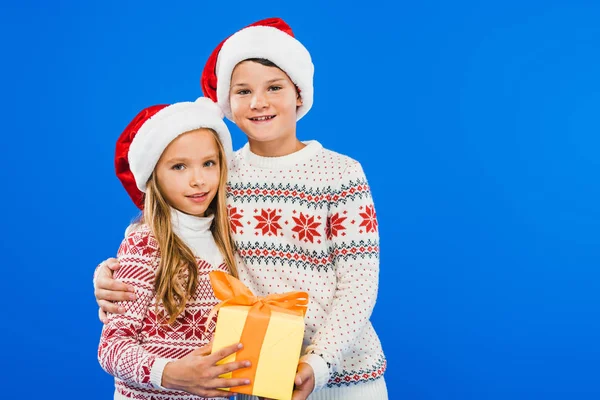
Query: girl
{"x": 302, "y": 216}
{"x": 172, "y": 161}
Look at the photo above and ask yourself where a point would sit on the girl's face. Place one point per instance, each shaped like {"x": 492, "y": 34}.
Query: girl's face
{"x": 188, "y": 172}
{"x": 263, "y": 102}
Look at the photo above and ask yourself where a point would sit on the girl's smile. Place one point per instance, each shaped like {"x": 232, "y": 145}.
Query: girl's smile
{"x": 198, "y": 197}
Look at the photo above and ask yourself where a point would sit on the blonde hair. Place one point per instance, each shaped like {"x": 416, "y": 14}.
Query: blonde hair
{"x": 177, "y": 274}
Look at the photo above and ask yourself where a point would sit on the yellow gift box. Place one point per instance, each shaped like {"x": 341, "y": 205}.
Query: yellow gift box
{"x": 271, "y": 329}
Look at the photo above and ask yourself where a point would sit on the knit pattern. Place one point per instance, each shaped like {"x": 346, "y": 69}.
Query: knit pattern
{"x": 312, "y": 226}
{"x": 131, "y": 342}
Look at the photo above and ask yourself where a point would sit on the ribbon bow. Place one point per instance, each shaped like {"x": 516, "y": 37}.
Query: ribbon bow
{"x": 231, "y": 291}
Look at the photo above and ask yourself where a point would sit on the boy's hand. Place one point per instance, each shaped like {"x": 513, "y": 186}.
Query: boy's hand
{"x": 107, "y": 290}
{"x": 304, "y": 382}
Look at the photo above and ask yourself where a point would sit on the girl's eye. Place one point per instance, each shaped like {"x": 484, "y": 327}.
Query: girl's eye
{"x": 243, "y": 91}
{"x": 178, "y": 167}
{"x": 210, "y": 163}
{"x": 275, "y": 88}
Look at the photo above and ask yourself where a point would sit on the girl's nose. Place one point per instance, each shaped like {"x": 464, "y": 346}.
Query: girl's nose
{"x": 197, "y": 178}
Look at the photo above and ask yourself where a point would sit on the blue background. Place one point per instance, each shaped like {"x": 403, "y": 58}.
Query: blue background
{"x": 477, "y": 125}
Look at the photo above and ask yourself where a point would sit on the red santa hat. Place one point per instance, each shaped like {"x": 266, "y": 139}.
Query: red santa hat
{"x": 146, "y": 137}
{"x": 271, "y": 39}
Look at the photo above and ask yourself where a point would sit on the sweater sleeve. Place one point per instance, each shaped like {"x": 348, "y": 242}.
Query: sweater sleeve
{"x": 120, "y": 352}
{"x": 352, "y": 231}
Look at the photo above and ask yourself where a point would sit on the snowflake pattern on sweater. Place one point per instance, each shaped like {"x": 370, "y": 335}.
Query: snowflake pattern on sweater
{"x": 307, "y": 222}
{"x": 132, "y": 342}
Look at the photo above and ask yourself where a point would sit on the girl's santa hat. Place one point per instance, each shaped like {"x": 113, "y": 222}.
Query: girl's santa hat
{"x": 146, "y": 137}
{"x": 271, "y": 39}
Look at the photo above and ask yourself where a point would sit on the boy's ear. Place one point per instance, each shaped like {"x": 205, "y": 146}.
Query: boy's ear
{"x": 298, "y": 97}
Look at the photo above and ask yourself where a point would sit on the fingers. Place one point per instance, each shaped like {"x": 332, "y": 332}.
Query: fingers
{"x": 109, "y": 307}
{"x": 105, "y": 281}
{"x": 228, "y": 383}
{"x": 112, "y": 264}
{"x": 301, "y": 377}
{"x": 214, "y": 393}
{"x": 104, "y": 278}
{"x": 305, "y": 372}
{"x": 224, "y": 352}
{"x": 104, "y": 270}
{"x": 304, "y": 382}
{"x": 102, "y": 316}
{"x": 113, "y": 295}
{"x": 207, "y": 348}
{"x": 301, "y": 394}
{"x": 232, "y": 366}
{"x": 202, "y": 351}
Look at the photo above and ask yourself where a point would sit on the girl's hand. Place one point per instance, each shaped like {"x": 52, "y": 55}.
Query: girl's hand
{"x": 304, "y": 382}
{"x": 198, "y": 372}
{"x": 107, "y": 290}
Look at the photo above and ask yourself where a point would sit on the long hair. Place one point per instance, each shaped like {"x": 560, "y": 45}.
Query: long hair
{"x": 177, "y": 273}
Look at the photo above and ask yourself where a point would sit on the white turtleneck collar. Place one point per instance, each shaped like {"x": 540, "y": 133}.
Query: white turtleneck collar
{"x": 185, "y": 225}
{"x": 196, "y": 234}
{"x": 312, "y": 147}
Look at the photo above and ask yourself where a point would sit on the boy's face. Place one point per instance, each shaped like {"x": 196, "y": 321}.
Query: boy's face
{"x": 188, "y": 172}
{"x": 263, "y": 102}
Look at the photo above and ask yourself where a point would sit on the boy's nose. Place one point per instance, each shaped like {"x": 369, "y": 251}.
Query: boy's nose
{"x": 259, "y": 101}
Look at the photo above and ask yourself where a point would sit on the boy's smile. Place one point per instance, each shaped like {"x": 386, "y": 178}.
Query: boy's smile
{"x": 262, "y": 118}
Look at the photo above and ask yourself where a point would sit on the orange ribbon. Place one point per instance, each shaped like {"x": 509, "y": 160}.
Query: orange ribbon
{"x": 232, "y": 292}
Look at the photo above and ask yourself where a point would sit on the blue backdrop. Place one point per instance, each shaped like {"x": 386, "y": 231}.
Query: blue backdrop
{"x": 477, "y": 125}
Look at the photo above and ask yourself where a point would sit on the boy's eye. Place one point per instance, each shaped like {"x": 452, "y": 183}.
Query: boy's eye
{"x": 243, "y": 91}
{"x": 178, "y": 167}
{"x": 274, "y": 88}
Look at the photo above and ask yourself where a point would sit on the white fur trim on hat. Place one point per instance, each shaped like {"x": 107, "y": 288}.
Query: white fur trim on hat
{"x": 165, "y": 126}
{"x": 274, "y": 45}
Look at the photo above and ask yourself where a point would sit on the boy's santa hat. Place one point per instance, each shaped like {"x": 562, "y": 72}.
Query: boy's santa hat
{"x": 271, "y": 39}
{"x": 146, "y": 137}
